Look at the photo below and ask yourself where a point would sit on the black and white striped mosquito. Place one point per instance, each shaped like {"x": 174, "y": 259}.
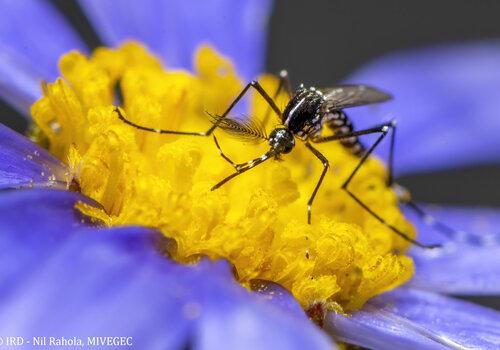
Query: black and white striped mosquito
{"x": 308, "y": 111}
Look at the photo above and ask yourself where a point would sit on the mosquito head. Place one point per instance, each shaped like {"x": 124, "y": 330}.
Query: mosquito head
{"x": 281, "y": 140}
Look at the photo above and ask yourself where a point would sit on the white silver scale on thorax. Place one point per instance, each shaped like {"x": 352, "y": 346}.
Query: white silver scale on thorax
{"x": 319, "y": 119}
{"x": 315, "y": 125}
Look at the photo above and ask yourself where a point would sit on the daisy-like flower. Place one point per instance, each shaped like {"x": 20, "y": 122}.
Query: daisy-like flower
{"x": 112, "y": 235}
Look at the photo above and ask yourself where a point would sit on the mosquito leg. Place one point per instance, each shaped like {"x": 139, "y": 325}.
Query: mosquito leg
{"x": 326, "y": 165}
{"x": 403, "y": 194}
{"x": 284, "y": 83}
{"x": 383, "y": 129}
{"x": 376, "y": 129}
{"x": 235, "y": 166}
{"x": 241, "y": 168}
{"x": 254, "y": 84}
{"x": 390, "y": 178}
{"x": 404, "y": 197}
{"x": 159, "y": 131}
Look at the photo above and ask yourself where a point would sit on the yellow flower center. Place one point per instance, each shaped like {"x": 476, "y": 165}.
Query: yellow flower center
{"x": 257, "y": 221}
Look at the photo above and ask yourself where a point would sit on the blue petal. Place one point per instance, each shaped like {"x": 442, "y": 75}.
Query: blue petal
{"x": 24, "y": 216}
{"x": 174, "y": 29}
{"x": 468, "y": 264}
{"x": 446, "y": 103}
{"x": 75, "y": 281}
{"x": 19, "y": 81}
{"x": 33, "y": 35}
{"x": 278, "y": 295}
{"x": 410, "y": 319}
{"x": 25, "y": 164}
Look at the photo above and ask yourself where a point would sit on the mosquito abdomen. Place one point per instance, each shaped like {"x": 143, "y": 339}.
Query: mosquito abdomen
{"x": 342, "y": 125}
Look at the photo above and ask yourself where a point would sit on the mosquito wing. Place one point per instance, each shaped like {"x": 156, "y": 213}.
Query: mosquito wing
{"x": 247, "y": 129}
{"x": 345, "y": 96}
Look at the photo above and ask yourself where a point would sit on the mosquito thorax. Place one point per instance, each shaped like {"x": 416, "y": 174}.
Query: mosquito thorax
{"x": 281, "y": 140}
{"x": 302, "y": 115}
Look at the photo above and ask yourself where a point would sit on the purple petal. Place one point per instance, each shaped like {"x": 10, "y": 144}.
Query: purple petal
{"x": 446, "y": 103}
{"x": 174, "y": 29}
{"x": 278, "y": 295}
{"x": 24, "y": 215}
{"x": 76, "y": 281}
{"x": 19, "y": 81}
{"x": 25, "y": 164}
{"x": 468, "y": 264}
{"x": 33, "y": 35}
{"x": 410, "y": 319}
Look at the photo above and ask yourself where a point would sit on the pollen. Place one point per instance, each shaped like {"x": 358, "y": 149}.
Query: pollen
{"x": 258, "y": 220}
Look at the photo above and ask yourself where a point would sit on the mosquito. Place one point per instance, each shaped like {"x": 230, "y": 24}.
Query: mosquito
{"x": 307, "y": 113}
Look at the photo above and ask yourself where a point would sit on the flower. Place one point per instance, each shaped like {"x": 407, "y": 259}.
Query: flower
{"x": 257, "y": 223}
{"x": 118, "y": 272}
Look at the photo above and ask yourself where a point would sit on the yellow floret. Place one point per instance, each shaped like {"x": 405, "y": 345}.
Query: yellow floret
{"x": 258, "y": 220}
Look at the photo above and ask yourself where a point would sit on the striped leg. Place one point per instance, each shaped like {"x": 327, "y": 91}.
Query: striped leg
{"x": 404, "y": 197}
{"x": 253, "y": 84}
{"x": 382, "y": 129}
{"x": 240, "y": 168}
{"x": 326, "y": 165}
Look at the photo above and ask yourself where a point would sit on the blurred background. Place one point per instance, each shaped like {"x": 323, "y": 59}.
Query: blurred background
{"x": 320, "y": 42}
